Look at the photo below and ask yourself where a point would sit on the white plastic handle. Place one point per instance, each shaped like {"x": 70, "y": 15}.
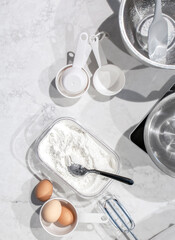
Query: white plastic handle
{"x": 98, "y": 51}
{"x": 93, "y": 218}
{"x": 158, "y": 9}
{"x": 80, "y": 54}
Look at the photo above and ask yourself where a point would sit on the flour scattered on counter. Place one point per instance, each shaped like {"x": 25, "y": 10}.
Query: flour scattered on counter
{"x": 67, "y": 139}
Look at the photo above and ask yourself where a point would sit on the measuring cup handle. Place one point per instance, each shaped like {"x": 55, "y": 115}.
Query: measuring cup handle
{"x": 92, "y": 218}
{"x": 81, "y": 51}
{"x": 158, "y": 9}
{"x": 98, "y": 52}
{"x": 102, "y": 55}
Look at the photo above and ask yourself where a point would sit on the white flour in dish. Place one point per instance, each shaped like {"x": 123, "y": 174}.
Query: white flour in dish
{"x": 66, "y": 139}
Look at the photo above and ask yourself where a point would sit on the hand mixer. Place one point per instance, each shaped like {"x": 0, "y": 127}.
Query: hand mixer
{"x": 118, "y": 216}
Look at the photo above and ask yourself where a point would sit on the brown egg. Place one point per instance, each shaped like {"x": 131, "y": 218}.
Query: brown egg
{"x": 52, "y": 211}
{"x": 66, "y": 218}
{"x": 43, "y": 190}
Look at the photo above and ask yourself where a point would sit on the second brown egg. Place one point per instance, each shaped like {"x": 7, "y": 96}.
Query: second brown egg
{"x": 66, "y": 218}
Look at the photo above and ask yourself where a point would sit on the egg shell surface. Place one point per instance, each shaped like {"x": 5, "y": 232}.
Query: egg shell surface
{"x": 52, "y": 211}
{"x": 67, "y": 217}
{"x": 44, "y": 190}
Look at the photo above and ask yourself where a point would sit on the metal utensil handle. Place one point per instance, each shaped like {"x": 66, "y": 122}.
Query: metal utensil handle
{"x": 114, "y": 176}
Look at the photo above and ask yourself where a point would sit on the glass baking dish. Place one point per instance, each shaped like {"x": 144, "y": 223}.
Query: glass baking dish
{"x": 57, "y": 174}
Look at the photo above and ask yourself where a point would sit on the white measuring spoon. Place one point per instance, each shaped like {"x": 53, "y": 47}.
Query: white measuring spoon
{"x": 108, "y": 78}
{"x": 158, "y": 36}
{"x": 75, "y": 79}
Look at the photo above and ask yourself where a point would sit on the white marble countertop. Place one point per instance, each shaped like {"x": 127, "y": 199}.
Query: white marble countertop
{"x": 35, "y": 37}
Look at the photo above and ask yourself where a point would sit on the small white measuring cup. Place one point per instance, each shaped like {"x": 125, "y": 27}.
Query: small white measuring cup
{"x": 73, "y": 80}
{"x": 55, "y": 229}
{"x": 108, "y": 78}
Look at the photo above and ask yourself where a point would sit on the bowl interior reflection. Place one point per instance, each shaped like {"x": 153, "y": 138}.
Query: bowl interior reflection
{"x": 159, "y": 135}
{"x": 137, "y": 17}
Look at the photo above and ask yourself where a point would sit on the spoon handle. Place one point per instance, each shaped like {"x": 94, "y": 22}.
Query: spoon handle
{"x": 158, "y": 9}
{"x": 113, "y": 176}
{"x": 80, "y": 54}
{"x": 98, "y": 52}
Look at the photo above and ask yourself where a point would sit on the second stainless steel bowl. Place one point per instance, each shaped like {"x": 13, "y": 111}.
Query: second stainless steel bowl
{"x": 159, "y": 135}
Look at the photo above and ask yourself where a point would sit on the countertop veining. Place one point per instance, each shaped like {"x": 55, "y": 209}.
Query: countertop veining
{"x": 35, "y": 37}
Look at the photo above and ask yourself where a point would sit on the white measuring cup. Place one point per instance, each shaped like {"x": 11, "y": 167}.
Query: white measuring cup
{"x": 108, "y": 78}
{"x": 73, "y": 80}
{"x": 55, "y": 229}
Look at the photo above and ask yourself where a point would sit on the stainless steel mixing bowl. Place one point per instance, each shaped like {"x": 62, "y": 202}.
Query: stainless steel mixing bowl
{"x": 159, "y": 135}
{"x": 135, "y": 17}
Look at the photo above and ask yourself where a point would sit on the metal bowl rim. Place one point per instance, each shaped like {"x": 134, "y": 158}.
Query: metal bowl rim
{"x": 159, "y": 164}
{"x": 131, "y": 47}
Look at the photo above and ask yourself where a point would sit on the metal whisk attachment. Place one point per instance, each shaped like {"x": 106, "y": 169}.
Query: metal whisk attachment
{"x": 118, "y": 216}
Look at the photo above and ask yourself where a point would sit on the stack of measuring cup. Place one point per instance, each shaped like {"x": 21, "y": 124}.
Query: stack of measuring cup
{"x": 72, "y": 81}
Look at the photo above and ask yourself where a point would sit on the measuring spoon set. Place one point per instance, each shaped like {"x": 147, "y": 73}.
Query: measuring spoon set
{"x": 72, "y": 81}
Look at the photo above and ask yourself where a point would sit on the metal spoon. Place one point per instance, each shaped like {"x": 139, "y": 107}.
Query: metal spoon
{"x": 79, "y": 170}
{"x": 158, "y": 36}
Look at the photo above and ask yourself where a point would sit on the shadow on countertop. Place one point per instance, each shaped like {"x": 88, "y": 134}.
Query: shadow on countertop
{"x": 162, "y": 220}
{"x": 111, "y": 25}
{"x": 151, "y": 184}
{"x": 136, "y": 73}
{"x": 58, "y": 99}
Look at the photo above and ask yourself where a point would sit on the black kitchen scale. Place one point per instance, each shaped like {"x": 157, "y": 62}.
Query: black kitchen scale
{"x": 137, "y": 136}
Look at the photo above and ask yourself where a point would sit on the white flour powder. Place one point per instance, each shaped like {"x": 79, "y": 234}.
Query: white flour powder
{"x": 171, "y": 29}
{"x": 66, "y": 139}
